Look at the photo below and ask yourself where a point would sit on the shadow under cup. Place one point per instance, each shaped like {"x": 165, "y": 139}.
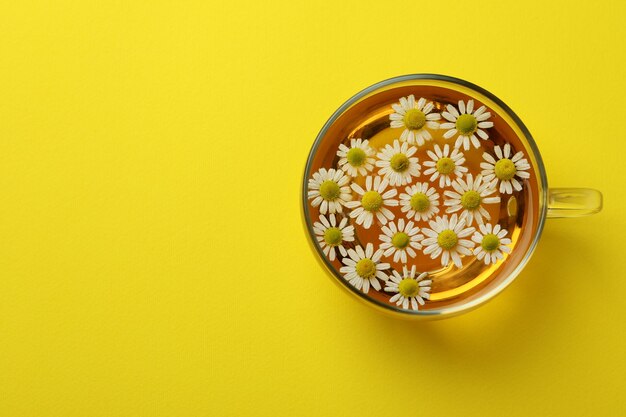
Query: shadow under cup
{"x": 454, "y": 290}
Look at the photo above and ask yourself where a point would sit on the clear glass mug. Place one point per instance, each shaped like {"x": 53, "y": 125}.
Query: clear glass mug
{"x": 551, "y": 202}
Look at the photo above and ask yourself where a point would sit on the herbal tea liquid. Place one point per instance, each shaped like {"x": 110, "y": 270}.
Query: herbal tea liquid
{"x": 516, "y": 212}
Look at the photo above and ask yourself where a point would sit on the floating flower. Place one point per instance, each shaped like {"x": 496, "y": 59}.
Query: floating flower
{"x": 357, "y": 159}
{"x": 414, "y": 118}
{"x": 445, "y": 239}
{"x": 491, "y": 243}
{"x": 409, "y": 288}
{"x": 505, "y": 168}
{"x": 329, "y": 190}
{"x": 420, "y": 201}
{"x": 467, "y": 123}
{"x": 397, "y": 163}
{"x": 362, "y": 268}
{"x": 373, "y": 201}
{"x": 470, "y": 195}
{"x": 331, "y": 235}
{"x": 400, "y": 240}
{"x": 444, "y": 164}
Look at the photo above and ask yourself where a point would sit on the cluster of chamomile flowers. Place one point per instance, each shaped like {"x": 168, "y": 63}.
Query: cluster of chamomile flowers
{"x": 390, "y": 175}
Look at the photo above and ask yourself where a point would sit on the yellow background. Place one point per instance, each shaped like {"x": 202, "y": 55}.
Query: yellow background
{"x": 152, "y": 257}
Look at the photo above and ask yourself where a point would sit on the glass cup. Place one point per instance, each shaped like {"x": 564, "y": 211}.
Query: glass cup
{"x": 548, "y": 202}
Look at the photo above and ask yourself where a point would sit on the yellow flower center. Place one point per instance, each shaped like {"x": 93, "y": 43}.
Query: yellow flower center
{"x": 408, "y": 287}
{"x": 490, "y": 242}
{"x": 420, "y": 202}
{"x": 366, "y": 268}
{"x": 466, "y": 124}
{"x": 356, "y": 157}
{"x": 445, "y": 166}
{"x": 372, "y": 201}
{"x": 329, "y": 190}
{"x": 505, "y": 169}
{"x": 447, "y": 239}
{"x": 400, "y": 240}
{"x": 399, "y": 162}
{"x": 414, "y": 119}
{"x": 470, "y": 200}
{"x": 333, "y": 236}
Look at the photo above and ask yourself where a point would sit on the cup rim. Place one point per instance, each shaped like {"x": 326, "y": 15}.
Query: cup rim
{"x": 444, "y": 311}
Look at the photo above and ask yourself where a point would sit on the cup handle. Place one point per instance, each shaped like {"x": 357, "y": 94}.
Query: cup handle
{"x": 573, "y": 202}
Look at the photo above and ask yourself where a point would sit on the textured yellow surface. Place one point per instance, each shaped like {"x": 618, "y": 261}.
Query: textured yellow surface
{"x": 152, "y": 258}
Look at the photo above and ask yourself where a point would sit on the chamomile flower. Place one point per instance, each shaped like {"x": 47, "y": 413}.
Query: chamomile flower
{"x": 444, "y": 165}
{"x": 362, "y": 268}
{"x": 356, "y": 159}
{"x": 329, "y": 190}
{"x": 445, "y": 238}
{"x": 373, "y": 200}
{"x": 470, "y": 195}
{"x": 420, "y": 201}
{"x": 397, "y": 163}
{"x": 400, "y": 240}
{"x": 331, "y": 235}
{"x": 409, "y": 288}
{"x": 491, "y": 242}
{"x": 506, "y": 168}
{"x": 467, "y": 123}
{"x": 414, "y": 117}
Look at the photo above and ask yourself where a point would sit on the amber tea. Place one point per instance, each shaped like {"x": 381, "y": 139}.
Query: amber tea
{"x": 421, "y": 196}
